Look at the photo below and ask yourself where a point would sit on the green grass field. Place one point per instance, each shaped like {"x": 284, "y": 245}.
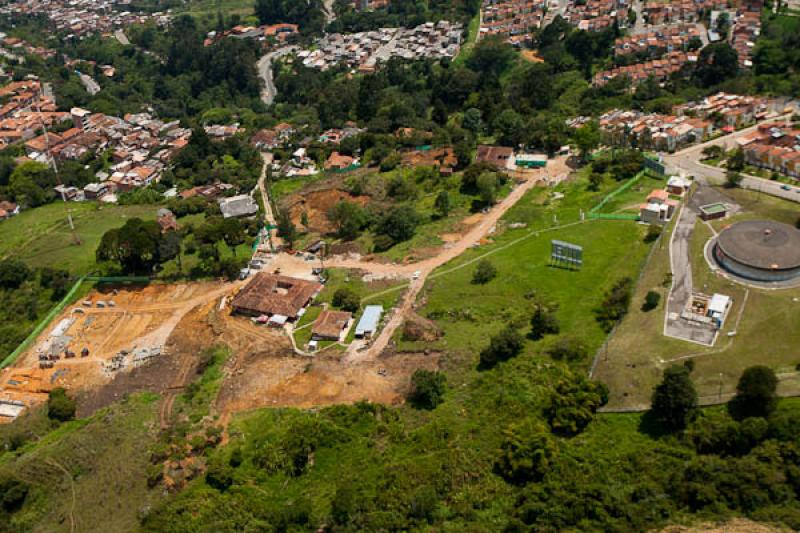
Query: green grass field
{"x": 41, "y": 236}
{"x": 470, "y": 313}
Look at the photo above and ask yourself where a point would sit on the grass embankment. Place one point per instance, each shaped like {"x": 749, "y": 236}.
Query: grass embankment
{"x": 766, "y": 334}
{"x": 89, "y": 471}
{"x": 42, "y": 237}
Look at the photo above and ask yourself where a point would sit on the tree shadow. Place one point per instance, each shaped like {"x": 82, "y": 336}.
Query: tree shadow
{"x": 652, "y": 427}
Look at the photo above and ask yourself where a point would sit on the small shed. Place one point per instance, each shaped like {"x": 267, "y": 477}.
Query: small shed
{"x": 368, "y": 324}
{"x": 712, "y": 211}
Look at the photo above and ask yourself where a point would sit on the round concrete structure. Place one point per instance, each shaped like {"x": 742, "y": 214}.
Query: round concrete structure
{"x": 760, "y": 250}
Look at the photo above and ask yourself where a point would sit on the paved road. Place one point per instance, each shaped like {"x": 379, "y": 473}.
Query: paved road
{"x": 265, "y": 72}
{"x": 682, "y": 284}
{"x": 688, "y": 160}
{"x": 121, "y": 37}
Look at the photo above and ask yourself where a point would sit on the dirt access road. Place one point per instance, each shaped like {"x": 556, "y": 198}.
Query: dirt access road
{"x": 269, "y": 215}
{"x": 420, "y": 271}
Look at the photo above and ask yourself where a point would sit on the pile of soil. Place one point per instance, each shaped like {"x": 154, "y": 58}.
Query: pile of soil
{"x": 316, "y": 204}
{"x": 417, "y": 328}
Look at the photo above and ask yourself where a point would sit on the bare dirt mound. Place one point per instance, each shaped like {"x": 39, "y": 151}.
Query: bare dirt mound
{"x": 316, "y": 204}
{"x": 270, "y": 381}
{"x": 417, "y": 328}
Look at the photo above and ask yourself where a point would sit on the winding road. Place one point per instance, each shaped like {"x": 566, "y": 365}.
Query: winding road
{"x": 264, "y": 65}
{"x": 688, "y": 160}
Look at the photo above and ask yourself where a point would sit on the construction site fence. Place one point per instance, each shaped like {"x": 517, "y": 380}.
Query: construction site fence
{"x": 59, "y": 307}
{"x": 595, "y": 211}
{"x": 43, "y": 324}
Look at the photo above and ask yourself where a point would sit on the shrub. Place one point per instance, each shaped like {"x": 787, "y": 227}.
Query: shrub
{"x": 653, "y": 233}
{"x": 573, "y": 403}
{"x": 219, "y": 476}
{"x": 543, "y": 322}
{"x": 502, "y": 347}
{"x": 616, "y": 303}
{"x": 568, "y": 349}
{"x": 400, "y": 224}
{"x": 12, "y": 494}
{"x": 427, "y": 389}
{"x": 60, "y": 406}
{"x": 526, "y": 452}
{"x": 346, "y": 299}
{"x": 755, "y": 393}
{"x": 651, "y": 301}
{"x": 484, "y": 272}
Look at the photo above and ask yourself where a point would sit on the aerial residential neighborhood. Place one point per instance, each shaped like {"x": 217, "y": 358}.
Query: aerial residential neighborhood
{"x": 395, "y": 265}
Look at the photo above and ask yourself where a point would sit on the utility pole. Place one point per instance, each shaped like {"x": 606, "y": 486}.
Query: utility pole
{"x": 52, "y": 161}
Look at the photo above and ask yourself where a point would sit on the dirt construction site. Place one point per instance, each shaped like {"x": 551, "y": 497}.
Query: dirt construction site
{"x": 122, "y": 340}
{"x": 133, "y": 339}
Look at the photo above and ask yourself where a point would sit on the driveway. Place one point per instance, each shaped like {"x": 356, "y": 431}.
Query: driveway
{"x": 680, "y": 294}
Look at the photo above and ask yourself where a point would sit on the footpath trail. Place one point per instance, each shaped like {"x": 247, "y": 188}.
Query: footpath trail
{"x": 268, "y": 212}
{"x": 421, "y": 270}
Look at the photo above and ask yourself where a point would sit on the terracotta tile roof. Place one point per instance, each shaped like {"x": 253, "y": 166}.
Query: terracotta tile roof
{"x": 329, "y": 324}
{"x": 270, "y": 294}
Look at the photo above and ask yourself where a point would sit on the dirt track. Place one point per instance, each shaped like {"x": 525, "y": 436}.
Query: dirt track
{"x": 424, "y": 268}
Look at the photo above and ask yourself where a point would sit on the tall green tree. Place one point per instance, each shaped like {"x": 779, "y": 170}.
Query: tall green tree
{"x": 674, "y": 399}
{"x": 135, "y": 246}
{"x": 756, "y": 393}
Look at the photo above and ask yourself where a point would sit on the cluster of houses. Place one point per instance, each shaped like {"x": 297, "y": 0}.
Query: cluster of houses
{"x": 774, "y": 147}
{"x": 369, "y": 5}
{"x": 272, "y": 34}
{"x": 14, "y": 49}
{"x": 24, "y": 110}
{"x": 278, "y": 300}
{"x": 513, "y": 19}
{"x": 666, "y": 39}
{"x": 597, "y": 15}
{"x": 660, "y": 69}
{"x": 657, "y": 13}
{"x": 661, "y": 204}
{"x": 140, "y": 146}
{"x": 689, "y": 123}
{"x": 81, "y": 17}
{"x": 652, "y": 130}
{"x": 745, "y": 32}
{"x": 730, "y": 112}
{"x": 365, "y": 50}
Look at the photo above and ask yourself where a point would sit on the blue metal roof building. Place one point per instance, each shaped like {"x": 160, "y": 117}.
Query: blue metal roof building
{"x": 368, "y": 324}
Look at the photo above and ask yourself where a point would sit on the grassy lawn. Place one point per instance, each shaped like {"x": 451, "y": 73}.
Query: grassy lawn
{"x": 767, "y": 333}
{"x": 470, "y": 313}
{"x": 628, "y": 201}
{"x": 106, "y": 455}
{"x": 41, "y": 236}
{"x": 208, "y": 8}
